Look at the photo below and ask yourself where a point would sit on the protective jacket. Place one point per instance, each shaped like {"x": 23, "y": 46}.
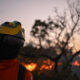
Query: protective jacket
{"x": 9, "y": 70}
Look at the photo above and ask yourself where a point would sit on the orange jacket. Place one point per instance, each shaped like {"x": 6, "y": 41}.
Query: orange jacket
{"x": 9, "y": 70}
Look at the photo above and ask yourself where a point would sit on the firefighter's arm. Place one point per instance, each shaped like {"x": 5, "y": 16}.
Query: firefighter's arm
{"x": 28, "y": 75}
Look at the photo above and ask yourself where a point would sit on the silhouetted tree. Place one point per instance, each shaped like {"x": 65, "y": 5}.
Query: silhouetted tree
{"x": 40, "y": 31}
{"x": 63, "y": 27}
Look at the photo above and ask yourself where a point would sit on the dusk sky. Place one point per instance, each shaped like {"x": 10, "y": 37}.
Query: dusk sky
{"x": 27, "y": 11}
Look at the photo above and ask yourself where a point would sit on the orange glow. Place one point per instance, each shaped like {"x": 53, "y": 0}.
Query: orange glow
{"x": 76, "y": 63}
{"x": 79, "y": 55}
{"x": 31, "y": 66}
{"x": 48, "y": 65}
{"x": 60, "y": 63}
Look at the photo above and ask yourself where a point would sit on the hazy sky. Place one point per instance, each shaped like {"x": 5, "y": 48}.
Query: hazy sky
{"x": 27, "y": 11}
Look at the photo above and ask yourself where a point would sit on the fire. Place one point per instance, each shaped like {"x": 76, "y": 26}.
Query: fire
{"x": 31, "y": 66}
{"x": 48, "y": 65}
{"x": 76, "y": 63}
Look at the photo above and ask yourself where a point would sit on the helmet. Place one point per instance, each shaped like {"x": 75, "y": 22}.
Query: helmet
{"x": 12, "y": 28}
{"x": 12, "y": 32}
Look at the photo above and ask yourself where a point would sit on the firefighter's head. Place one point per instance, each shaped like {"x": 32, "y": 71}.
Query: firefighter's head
{"x": 12, "y": 38}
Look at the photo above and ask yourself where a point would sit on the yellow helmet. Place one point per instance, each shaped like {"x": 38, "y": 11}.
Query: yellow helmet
{"x": 12, "y": 28}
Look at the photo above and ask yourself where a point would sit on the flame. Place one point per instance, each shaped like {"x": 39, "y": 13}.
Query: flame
{"x": 48, "y": 65}
{"x": 76, "y": 63}
{"x": 31, "y": 66}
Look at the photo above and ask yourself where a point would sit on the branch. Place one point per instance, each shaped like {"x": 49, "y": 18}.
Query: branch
{"x": 78, "y": 52}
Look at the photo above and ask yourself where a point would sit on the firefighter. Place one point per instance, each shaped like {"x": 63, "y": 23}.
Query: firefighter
{"x": 11, "y": 41}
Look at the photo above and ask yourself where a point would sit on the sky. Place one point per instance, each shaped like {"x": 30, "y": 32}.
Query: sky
{"x": 27, "y": 11}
